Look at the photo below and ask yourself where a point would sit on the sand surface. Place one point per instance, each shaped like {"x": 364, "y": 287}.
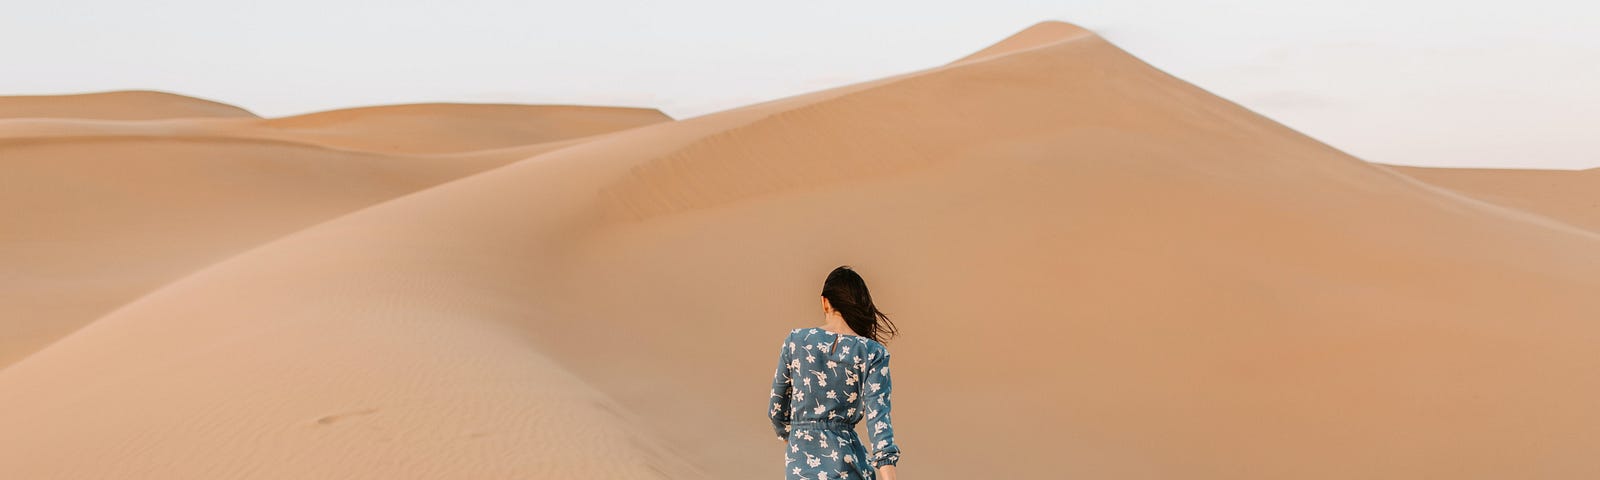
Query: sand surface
{"x": 104, "y": 211}
{"x": 1571, "y": 196}
{"x": 1101, "y": 271}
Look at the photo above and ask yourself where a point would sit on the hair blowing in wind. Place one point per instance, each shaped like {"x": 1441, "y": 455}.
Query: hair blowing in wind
{"x": 847, "y": 292}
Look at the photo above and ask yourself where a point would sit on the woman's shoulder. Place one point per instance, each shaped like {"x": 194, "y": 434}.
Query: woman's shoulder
{"x": 876, "y": 347}
{"x": 803, "y": 333}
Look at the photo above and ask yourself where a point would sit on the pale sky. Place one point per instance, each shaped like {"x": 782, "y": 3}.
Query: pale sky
{"x": 1449, "y": 83}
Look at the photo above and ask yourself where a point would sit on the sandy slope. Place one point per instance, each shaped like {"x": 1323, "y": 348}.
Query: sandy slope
{"x": 433, "y": 128}
{"x": 1102, "y": 272}
{"x": 1566, "y": 195}
{"x": 105, "y": 211}
{"x": 122, "y": 105}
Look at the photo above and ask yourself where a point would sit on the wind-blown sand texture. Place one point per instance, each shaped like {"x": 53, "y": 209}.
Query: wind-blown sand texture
{"x": 1101, "y": 271}
{"x": 1571, "y": 196}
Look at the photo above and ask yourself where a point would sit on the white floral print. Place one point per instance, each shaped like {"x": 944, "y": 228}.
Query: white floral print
{"x": 818, "y": 417}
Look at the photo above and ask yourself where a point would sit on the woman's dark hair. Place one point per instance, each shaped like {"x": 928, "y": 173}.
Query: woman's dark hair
{"x": 847, "y": 293}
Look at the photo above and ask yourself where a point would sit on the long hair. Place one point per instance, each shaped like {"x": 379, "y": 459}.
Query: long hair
{"x": 847, "y": 293}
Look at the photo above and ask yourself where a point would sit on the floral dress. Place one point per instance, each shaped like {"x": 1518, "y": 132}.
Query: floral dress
{"x": 824, "y": 385}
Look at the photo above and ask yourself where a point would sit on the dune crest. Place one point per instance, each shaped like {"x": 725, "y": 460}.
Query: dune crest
{"x": 393, "y": 129}
{"x": 445, "y": 127}
{"x": 119, "y": 105}
{"x": 1565, "y": 195}
{"x": 1040, "y": 34}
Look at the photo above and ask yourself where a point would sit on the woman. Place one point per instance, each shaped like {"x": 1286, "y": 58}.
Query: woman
{"x": 828, "y": 379}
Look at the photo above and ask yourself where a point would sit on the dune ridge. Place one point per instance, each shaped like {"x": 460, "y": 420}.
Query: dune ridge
{"x": 1101, "y": 272}
{"x": 118, "y": 105}
{"x": 1037, "y": 35}
{"x": 410, "y": 129}
{"x": 446, "y": 127}
{"x": 1564, "y": 195}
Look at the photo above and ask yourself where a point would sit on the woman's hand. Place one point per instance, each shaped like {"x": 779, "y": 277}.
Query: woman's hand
{"x": 886, "y": 472}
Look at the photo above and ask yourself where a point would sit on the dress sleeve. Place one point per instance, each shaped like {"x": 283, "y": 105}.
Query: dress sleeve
{"x": 881, "y": 428}
{"x": 782, "y": 388}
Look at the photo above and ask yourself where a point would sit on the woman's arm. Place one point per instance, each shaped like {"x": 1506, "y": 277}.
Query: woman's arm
{"x": 880, "y": 426}
{"x": 782, "y": 388}
{"x": 886, "y": 472}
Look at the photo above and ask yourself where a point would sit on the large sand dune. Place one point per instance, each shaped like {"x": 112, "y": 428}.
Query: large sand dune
{"x": 1101, "y": 271}
{"x": 105, "y": 211}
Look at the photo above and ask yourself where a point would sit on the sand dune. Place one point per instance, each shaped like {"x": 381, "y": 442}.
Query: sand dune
{"x": 412, "y": 129}
{"x": 123, "y": 105}
{"x": 106, "y": 211}
{"x": 1101, "y": 272}
{"x": 1565, "y": 195}
{"x": 434, "y": 128}
{"x": 1038, "y": 35}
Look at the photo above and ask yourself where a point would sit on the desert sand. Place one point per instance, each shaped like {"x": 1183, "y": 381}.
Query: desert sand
{"x": 1100, "y": 271}
{"x": 1565, "y": 195}
{"x": 106, "y": 211}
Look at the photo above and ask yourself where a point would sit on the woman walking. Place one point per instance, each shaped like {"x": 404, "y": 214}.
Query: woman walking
{"x": 831, "y": 377}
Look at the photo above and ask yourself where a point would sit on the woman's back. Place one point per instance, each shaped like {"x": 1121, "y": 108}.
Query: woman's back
{"x": 826, "y": 383}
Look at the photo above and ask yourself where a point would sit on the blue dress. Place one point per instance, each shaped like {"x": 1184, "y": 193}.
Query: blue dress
{"x": 824, "y": 385}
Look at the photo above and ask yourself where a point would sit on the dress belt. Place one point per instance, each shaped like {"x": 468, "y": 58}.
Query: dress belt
{"x": 857, "y": 450}
{"x": 824, "y": 422}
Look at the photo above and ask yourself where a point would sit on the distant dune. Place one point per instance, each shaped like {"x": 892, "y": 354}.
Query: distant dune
{"x": 412, "y": 129}
{"x": 124, "y": 105}
{"x": 108, "y": 210}
{"x": 1100, "y": 271}
{"x": 457, "y": 127}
